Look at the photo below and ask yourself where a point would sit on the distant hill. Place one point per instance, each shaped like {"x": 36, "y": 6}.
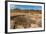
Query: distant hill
{"x": 25, "y": 11}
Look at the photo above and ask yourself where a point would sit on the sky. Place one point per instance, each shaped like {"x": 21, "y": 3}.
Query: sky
{"x": 23, "y": 7}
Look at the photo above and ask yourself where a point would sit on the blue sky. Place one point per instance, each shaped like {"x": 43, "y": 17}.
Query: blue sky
{"x": 23, "y": 7}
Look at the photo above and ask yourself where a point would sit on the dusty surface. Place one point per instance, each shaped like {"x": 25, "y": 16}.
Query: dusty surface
{"x": 25, "y": 20}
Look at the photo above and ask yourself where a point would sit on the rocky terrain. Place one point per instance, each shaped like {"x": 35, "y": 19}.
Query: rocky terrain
{"x": 23, "y": 20}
